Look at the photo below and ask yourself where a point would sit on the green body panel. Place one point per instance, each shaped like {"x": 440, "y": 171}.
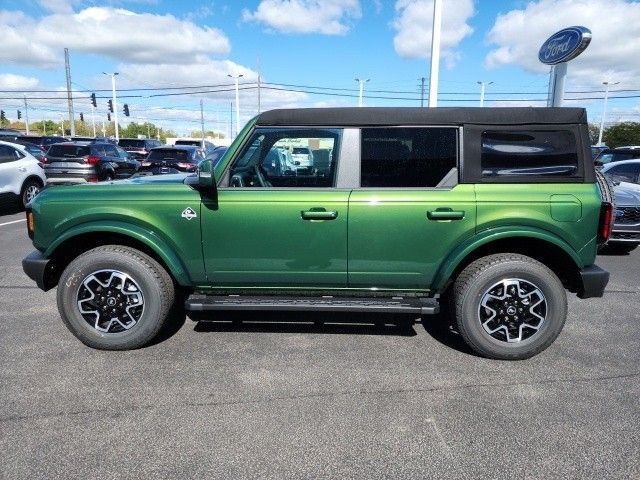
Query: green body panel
{"x": 149, "y": 212}
{"x": 259, "y": 238}
{"x": 392, "y": 241}
{"x": 566, "y": 211}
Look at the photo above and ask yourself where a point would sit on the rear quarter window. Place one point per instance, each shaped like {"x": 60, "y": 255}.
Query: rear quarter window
{"x": 522, "y": 153}
{"x": 70, "y": 151}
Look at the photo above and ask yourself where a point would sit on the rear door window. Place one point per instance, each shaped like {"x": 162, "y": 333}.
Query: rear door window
{"x": 407, "y": 157}
{"x": 520, "y": 153}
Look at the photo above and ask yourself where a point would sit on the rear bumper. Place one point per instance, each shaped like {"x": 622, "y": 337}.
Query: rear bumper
{"x": 593, "y": 281}
{"x": 37, "y": 268}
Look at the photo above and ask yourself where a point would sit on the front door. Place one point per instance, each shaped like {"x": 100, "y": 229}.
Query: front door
{"x": 409, "y": 211}
{"x": 278, "y": 227}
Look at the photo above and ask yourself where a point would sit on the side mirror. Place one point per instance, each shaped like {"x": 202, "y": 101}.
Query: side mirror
{"x": 207, "y": 178}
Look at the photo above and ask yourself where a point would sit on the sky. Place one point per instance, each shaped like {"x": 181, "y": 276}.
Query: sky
{"x": 308, "y": 53}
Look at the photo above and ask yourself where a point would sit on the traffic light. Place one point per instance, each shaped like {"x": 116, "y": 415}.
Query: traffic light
{"x": 93, "y": 100}
{"x": 2, "y": 116}
{"x": 109, "y": 115}
{"x": 126, "y": 110}
{"x": 110, "y": 104}
{"x": 19, "y": 114}
{"x": 81, "y": 117}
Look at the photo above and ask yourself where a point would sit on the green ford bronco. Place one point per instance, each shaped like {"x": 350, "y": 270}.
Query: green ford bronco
{"x": 495, "y": 210}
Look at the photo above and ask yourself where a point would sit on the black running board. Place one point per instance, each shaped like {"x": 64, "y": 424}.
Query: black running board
{"x": 420, "y": 306}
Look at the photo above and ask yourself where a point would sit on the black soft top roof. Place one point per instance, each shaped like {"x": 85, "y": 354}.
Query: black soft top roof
{"x": 364, "y": 116}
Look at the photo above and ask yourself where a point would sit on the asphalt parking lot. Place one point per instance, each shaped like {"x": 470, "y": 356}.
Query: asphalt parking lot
{"x": 236, "y": 398}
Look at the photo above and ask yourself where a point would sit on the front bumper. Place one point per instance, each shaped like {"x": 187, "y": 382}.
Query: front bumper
{"x": 626, "y": 228}
{"x": 593, "y": 281}
{"x": 39, "y": 269}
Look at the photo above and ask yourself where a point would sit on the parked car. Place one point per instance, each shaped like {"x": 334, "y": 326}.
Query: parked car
{"x": 21, "y": 176}
{"x": 172, "y": 159}
{"x": 32, "y": 148}
{"x": 217, "y": 154}
{"x": 616, "y": 155}
{"x": 82, "y": 139}
{"x": 9, "y": 134}
{"x": 625, "y": 235}
{"x": 303, "y": 156}
{"x": 402, "y": 223}
{"x": 82, "y": 162}
{"x": 623, "y": 171}
{"x": 139, "y": 148}
{"x": 597, "y": 149}
{"x": 208, "y": 147}
{"x": 43, "y": 141}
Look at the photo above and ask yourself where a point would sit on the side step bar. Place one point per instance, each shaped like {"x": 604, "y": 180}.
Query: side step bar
{"x": 421, "y": 306}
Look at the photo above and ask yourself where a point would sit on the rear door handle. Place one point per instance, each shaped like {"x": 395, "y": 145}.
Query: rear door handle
{"x": 318, "y": 214}
{"x": 445, "y": 214}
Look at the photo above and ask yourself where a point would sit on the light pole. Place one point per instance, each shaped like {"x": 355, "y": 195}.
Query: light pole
{"x": 435, "y": 53}
{"x": 604, "y": 109}
{"x": 115, "y": 104}
{"x": 361, "y": 83}
{"x": 237, "y": 78}
{"x": 482, "y": 87}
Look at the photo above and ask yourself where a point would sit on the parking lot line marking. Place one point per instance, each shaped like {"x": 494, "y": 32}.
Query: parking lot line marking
{"x": 15, "y": 221}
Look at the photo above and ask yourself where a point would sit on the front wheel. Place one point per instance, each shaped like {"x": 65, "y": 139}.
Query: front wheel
{"x": 115, "y": 298}
{"x": 509, "y": 306}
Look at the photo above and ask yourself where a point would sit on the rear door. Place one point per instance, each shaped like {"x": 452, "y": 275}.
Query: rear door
{"x": 10, "y": 174}
{"x": 410, "y": 211}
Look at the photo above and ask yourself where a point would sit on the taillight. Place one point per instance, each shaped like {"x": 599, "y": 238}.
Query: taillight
{"x": 145, "y": 164}
{"x": 606, "y": 221}
{"x": 92, "y": 160}
{"x": 185, "y": 165}
{"x": 44, "y": 160}
{"x": 92, "y": 179}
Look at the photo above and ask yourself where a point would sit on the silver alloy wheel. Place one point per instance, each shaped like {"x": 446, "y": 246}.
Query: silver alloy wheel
{"x": 110, "y": 301}
{"x": 512, "y": 310}
{"x": 31, "y": 192}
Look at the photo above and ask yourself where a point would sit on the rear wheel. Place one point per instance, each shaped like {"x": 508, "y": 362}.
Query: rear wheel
{"x": 509, "y": 306}
{"x": 115, "y": 298}
{"x": 30, "y": 189}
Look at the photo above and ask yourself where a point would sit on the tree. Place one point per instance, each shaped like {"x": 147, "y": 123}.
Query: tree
{"x": 625, "y": 133}
{"x": 594, "y": 132}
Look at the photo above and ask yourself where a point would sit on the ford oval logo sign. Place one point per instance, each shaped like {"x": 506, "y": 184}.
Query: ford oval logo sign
{"x": 564, "y": 45}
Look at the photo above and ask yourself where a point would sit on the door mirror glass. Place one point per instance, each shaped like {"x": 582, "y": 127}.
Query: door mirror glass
{"x": 206, "y": 177}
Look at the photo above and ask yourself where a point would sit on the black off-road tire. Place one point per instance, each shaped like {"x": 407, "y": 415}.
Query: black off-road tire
{"x": 155, "y": 284}
{"x": 475, "y": 280}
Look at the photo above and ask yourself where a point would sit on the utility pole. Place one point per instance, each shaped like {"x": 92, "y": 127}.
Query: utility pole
{"x": 115, "y": 104}
{"x": 482, "y": 87}
{"x": 435, "y": 53}
{"x": 62, "y": 122}
{"x": 44, "y": 127}
{"x": 361, "y": 83}
{"x": 237, "y": 78}
{"x": 259, "y": 106}
{"x": 231, "y": 120}
{"x": 202, "y": 121}
{"x": 67, "y": 68}
{"x": 26, "y": 114}
{"x": 104, "y": 130}
{"x": 604, "y": 109}
{"x": 422, "y": 91}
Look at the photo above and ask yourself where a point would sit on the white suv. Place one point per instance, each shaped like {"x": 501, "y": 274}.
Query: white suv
{"x": 21, "y": 176}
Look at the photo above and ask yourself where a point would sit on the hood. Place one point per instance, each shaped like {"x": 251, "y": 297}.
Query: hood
{"x": 627, "y": 194}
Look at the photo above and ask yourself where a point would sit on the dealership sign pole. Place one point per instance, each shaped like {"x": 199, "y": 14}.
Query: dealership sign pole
{"x": 559, "y": 48}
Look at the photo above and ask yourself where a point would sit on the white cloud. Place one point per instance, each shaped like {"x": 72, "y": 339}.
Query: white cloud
{"x": 328, "y": 17}
{"x": 118, "y": 33}
{"x": 613, "y": 52}
{"x": 10, "y": 81}
{"x": 58, "y": 6}
{"x": 414, "y": 25}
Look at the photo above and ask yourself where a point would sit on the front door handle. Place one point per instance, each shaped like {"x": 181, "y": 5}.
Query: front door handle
{"x": 445, "y": 214}
{"x": 318, "y": 214}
